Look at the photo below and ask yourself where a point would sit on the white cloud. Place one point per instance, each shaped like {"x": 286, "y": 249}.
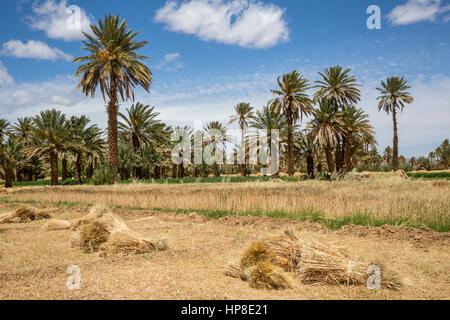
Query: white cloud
{"x": 55, "y": 20}
{"x": 5, "y": 78}
{"x": 33, "y": 50}
{"x": 416, "y": 11}
{"x": 246, "y": 23}
{"x": 170, "y": 62}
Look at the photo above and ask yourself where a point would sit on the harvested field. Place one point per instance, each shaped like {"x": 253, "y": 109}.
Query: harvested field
{"x": 34, "y": 262}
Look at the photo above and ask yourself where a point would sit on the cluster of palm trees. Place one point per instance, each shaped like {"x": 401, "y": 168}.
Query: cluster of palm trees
{"x": 139, "y": 145}
{"x": 49, "y": 138}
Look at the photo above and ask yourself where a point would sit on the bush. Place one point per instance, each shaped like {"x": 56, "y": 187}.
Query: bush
{"x": 103, "y": 175}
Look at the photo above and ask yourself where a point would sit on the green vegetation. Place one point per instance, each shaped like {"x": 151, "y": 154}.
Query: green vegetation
{"x": 430, "y": 175}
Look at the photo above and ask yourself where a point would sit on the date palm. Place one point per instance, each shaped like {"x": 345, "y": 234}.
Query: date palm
{"x": 394, "y": 96}
{"x": 49, "y": 136}
{"x": 11, "y": 160}
{"x": 355, "y": 125}
{"x": 180, "y": 136}
{"x": 115, "y": 67}
{"x": 327, "y": 126}
{"x": 293, "y": 101}
{"x": 244, "y": 112}
{"x": 337, "y": 86}
{"x": 214, "y": 138}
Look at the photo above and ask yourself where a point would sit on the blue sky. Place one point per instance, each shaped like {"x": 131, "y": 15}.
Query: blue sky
{"x": 209, "y": 55}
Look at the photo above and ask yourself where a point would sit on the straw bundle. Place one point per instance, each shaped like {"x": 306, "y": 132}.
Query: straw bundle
{"x": 95, "y": 213}
{"x": 327, "y": 264}
{"x": 54, "y": 225}
{"x": 24, "y": 214}
{"x": 286, "y": 251}
{"x": 265, "y": 275}
{"x": 102, "y": 231}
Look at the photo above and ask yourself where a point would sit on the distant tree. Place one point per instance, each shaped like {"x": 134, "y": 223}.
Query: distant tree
{"x": 244, "y": 113}
{"x": 443, "y": 153}
{"x": 394, "y": 96}
{"x": 293, "y": 101}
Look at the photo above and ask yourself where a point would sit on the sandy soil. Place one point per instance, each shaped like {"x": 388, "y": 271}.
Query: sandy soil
{"x": 33, "y": 263}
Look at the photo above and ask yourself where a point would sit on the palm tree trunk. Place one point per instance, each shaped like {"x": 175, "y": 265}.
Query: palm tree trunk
{"x": 243, "y": 166}
{"x": 395, "y": 151}
{"x": 329, "y": 156}
{"x": 64, "y": 168}
{"x": 113, "y": 143}
{"x": 174, "y": 171}
{"x": 290, "y": 145}
{"x": 347, "y": 154}
{"x": 157, "y": 172}
{"x": 9, "y": 175}
{"x": 54, "y": 167}
{"x": 77, "y": 168}
{"x": 310, "y": 166}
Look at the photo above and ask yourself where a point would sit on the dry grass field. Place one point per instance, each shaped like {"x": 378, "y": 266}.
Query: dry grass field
{"x": 376, "y": 201}
{"x": 33, "y": 262}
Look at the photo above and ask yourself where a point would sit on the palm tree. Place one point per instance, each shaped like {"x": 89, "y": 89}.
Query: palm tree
{"x": 355, "y": 125}
{"x": 136, "y": 127}
{"x": 443, "y": 153}
{"x": 293, "y": 102}
{"x": 306, "y": 147}
{"x": 342, "y": 90}
{"x": 215, "y": 137}
{"x": 22, "y": 134}
{"x": 49, "y": 137}
{"x": 244, "y": 112}
{"x": 179, "y": 136}
{"x": 4, "y": 129}
{"x": 387, "y": 155}
{"x": 11, "y": 160}
{"x": 94, "y": 145}
{"x": 393, "y": 96}
{"x": 327, "y": 126}
{"x": 114, "y": 65}
{"x": 338, "y": 86}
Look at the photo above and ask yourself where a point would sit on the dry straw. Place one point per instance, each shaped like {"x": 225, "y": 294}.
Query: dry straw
{"x": 102, "y": 231}
{"x": 24, "y": 214}
{"x": 311, "y": 261}
{"x": 55, "y": 224}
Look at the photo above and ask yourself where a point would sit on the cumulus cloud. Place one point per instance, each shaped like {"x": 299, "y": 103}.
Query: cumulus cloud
{"x": 170, "y": 62}
{"x": 59, "y": 20}
{"x": 5, "y": 78}
{"x": 33, "y": 50}
{"x": 246, "y": 23}
{"x": 416, "y": 11}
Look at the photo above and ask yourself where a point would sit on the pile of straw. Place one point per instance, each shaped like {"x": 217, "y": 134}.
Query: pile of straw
{"x": 102, "y": 231}
{"x": 258, "y": 266}
{"x": 24, "y": 214}
{"x": 311, "y": 261}
{"x": 55, "y": 224}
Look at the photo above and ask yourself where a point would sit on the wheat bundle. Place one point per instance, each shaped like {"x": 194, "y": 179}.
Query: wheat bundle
{"x": 256, "y": 252}
{"x": 265, "y": 275}
{"x": 102, "y": 231}
{"x": 55, "y": 224}
{"x": 327, "y": 264}
{"x": 130, "y": 243}
{"x": 234, "y": 271}
{"x": 24, "y": 214}
{"x": 286, "y": 251}
{"x": 95, "y": 213}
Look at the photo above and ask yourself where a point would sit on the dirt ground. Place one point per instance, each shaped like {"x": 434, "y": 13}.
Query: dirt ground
{"x": 33, "y": 263}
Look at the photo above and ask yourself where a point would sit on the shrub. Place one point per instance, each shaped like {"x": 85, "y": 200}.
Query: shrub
{"x": 103, "y": 175}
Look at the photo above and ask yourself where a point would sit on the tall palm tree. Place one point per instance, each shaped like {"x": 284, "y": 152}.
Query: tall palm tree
{"x": 443, "y": 153}
{"x": 244, "y": 112}
{"x": 293, "y": 101}
{"x": 22, "y": 135}
{"x": 215, "y": 137}
{"x": 342, "y": 90}
{"x": 327, "y": 126}
{"x": 94, "y": 145}
{"x": 49, "y": 137}
{"x": 355, "y": 125}
{"x": 394, "y": 95}
{"x": 338, "y": 86}
{"x": 114, "y": 65}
